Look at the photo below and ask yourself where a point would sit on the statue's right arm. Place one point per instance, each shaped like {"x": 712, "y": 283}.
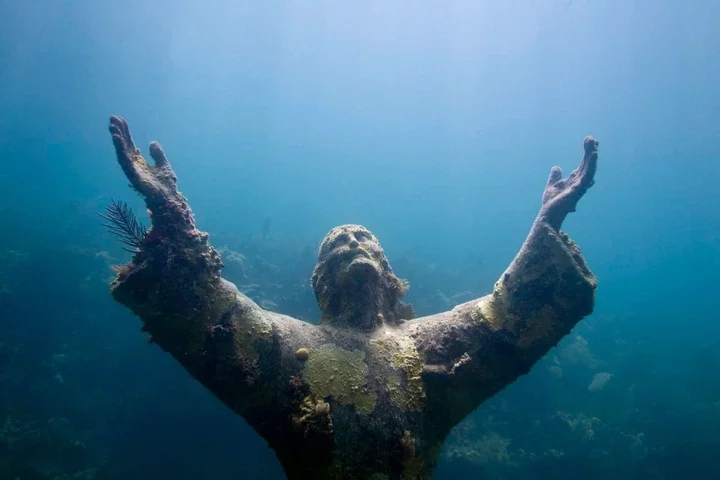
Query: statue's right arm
{"x": 173, "y": 283}
{"x": 480, "y": 347}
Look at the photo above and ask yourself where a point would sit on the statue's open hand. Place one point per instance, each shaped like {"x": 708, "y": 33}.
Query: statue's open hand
{"x": 562, "y": 194}
{"x": 157, "y": 183}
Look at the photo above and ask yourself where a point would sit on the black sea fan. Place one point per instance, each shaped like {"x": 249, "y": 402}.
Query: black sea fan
{"x": 123, "y": 223}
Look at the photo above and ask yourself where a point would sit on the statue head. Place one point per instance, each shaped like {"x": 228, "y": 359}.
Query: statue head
{"x": 353, "y": 282}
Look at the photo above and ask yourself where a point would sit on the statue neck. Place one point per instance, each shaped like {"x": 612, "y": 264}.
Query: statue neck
{"x": 355, "y": 315}
{"x": 365, "y": 311}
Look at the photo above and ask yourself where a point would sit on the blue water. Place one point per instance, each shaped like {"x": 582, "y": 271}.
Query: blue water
{"x": 435, "y": 125}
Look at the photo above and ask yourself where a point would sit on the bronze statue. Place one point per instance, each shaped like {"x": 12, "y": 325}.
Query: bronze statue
{"x": 370, "y": 393}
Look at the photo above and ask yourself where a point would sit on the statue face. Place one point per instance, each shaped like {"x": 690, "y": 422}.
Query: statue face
{"x": 353, "y": 280}
{"x": 353, "y": 254}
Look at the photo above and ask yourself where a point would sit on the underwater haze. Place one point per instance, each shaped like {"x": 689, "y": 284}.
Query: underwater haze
{"x": 433, "y": 124}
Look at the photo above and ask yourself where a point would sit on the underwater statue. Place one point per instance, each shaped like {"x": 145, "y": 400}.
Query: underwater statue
{"x": 370, "y": 392}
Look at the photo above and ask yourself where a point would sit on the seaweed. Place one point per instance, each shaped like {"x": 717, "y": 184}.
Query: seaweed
{"x": 121, "y": 222}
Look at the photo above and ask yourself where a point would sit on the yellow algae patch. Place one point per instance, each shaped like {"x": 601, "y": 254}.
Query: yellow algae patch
{"x": 410, "y": 394}
{"x": 382, "y": 344}
{"x": 486, "y": 309}
{"x": 341, "y": 374}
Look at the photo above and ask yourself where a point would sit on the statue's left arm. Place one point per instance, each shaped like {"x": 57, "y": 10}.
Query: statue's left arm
{"x": 479, "y": 347}
{"x": 173, "y": 283}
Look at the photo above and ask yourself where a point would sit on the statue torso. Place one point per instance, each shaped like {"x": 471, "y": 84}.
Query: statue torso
{"x": 344, "y": 404}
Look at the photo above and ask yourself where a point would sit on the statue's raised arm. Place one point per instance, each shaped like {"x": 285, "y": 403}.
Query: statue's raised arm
{"x": 483, "y": 345}
{"x": 173, "y": 283}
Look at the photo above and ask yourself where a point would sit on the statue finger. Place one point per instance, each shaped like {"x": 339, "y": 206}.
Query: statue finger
{"x": 555, "y": 176}
{"x": 588, "y": 166}
{"x": 128, "y": 155}
{"x": 158, "y": 155}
